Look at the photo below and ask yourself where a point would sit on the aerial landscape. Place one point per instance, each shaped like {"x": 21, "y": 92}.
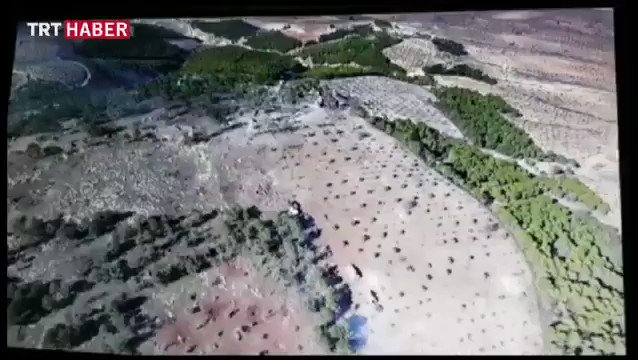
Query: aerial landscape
{"x": 427, "y": 183}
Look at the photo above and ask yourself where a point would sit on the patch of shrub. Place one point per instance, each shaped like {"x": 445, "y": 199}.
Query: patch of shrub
{"x": 355, "y": 49}
{"x": 460, "y": 70}
{"x": 29, "y": 302}
{"x": 233, "y": 29}
{"x": 383, "y": 24}
{"x": 273, "y": 40}
{"x": 148, "y": 43}
{"x": 449, "y": 46}
{"x": 341, "y": 71}
{"x": 360, "y": 30}
{"x": 480, "y": 118}
{"x": 239, "y": 66}
{"x": 68, "y": 336}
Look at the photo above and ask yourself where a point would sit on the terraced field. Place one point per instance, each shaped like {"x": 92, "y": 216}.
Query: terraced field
{"x": 396, "y": 99}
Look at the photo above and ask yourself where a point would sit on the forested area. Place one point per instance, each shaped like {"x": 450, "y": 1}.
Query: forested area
{"x": 574, "y": 257}
{"x": 43, "y": 106}
{"x": 272, "y": 40}
{"x": 355, "y": 49}
{"x": 480, "y": 118}
{"x": 235, "y": 64}
{"x": 285, "y": 253}
{"x": 176, "y": 86}
{"x": 340, "y": 71}
{"x": 233, "y": 29}
{"x": 149, "y": 42}
{"x": 449, "y": 46}
{"x": 460, "y": 70}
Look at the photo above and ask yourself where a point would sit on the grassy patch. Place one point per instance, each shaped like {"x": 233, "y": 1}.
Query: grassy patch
{"x": 449, "y": 46}
{"x": 240, "y": 66}
{"x": 273, "y": 40}
{"x": 230, "y": 29}
{"x": 355, "y": 49}
{"x": 571, "y": 255}
{"x": 460, "y": 70}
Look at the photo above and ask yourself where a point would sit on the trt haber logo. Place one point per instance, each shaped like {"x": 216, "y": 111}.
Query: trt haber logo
{"x": 84, "y": 29}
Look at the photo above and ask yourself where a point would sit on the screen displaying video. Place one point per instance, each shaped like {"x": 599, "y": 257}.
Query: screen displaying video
{"x": 423, "y": 183}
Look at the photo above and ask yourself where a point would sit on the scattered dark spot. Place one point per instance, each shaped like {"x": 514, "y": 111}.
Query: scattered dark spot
{"x": 233, "y": 313}
{"x": 357, "y": 270}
